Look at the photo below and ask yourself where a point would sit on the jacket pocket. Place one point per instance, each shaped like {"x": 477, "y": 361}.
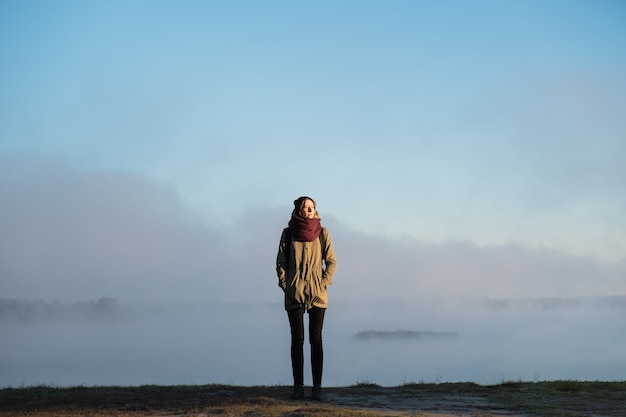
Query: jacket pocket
{"x": 294, "y": 291}
{"x": 318, "y": 291}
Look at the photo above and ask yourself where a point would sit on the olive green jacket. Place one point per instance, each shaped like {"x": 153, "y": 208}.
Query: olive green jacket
{"x": 305, "y": 270}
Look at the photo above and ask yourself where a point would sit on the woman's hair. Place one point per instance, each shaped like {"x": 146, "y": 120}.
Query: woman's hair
{"x": 299, "y": 203}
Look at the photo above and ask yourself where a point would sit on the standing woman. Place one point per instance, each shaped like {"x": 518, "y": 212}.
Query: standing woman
{"x": 305, "y": 265}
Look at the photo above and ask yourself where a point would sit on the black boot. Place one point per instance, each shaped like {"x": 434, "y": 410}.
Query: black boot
{"x": 298, "y": 393}
{"x": 317, "y": 393}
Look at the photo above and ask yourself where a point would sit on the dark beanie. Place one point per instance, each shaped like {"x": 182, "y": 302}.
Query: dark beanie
{"x": 298, "y": 202}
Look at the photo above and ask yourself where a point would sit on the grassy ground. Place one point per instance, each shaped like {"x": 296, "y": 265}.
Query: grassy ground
{"x": 552, "y": 398}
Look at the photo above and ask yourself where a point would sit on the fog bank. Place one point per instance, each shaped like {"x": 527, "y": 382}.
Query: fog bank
{"x": 108, "y": 278}
{"x": 248, "y": 344}
{"x": 77, "y": 235}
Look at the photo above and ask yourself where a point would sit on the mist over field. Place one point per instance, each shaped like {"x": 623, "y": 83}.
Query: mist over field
{"x": 103, "y": 342}
{"x": 107, "y": 278}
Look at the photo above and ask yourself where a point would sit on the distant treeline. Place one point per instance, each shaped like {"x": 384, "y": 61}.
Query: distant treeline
{"x": 37, "y": 310}
{"x": 617, "y": 302}
{"x": 403, "y": 334}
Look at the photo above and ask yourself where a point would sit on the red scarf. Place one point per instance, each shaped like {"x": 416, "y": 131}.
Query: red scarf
{"x": 305, "y": 230}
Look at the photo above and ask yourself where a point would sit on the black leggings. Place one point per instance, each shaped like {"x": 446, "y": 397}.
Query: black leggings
{"x": 316, "y": 322}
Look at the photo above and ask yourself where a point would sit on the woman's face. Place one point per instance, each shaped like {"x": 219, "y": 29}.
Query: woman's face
{"x": 308, "y": 209}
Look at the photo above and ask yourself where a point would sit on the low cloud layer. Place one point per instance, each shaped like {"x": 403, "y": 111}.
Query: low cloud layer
{"x": 76, "y": 235}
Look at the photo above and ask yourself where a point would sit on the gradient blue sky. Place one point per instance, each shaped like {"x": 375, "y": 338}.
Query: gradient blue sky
{"x": 486, "y": 122}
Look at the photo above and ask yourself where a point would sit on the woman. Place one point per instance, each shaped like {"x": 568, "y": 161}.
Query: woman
{"x": 305, "y": 265}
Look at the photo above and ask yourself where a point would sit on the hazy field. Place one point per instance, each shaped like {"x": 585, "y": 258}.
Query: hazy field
{"x": 104, "y": 343}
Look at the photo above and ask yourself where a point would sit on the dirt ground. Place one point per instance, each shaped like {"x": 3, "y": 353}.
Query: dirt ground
{"x": 555, "y": 399}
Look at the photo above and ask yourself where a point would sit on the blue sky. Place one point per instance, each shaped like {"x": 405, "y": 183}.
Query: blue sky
{"x": 487, "y": 123}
